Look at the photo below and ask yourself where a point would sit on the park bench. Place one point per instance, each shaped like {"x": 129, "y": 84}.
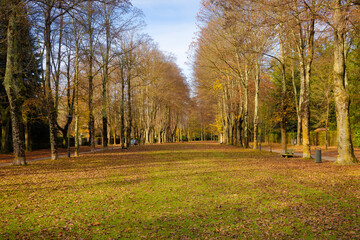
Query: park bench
{"x": 288, "y": 153}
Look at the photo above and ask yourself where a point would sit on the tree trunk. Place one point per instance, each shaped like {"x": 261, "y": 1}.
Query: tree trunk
{"x": 104, "y": 115}
{"x": 109, "y": 136}
{"x": 225, "y": 118}
{"x": 13, "y": 81}
{"x": 58, "y": 65}
{"x": 122, "y": 112}
{"x": 48, "y": 93}
{"x": 284, "y": 110}
{"x": 297, "y": 104}
{"x": 327, "y": 119}
{"x": 159, "y": 137}
{"x": 306, "y": 116}
{"x": 306, "y": 58}
{"x": 246, "y": 117}
{"x": 342, "y": 99}
{"x": 283, "y": 93}
{"x": 256, "y": 102}
{"x": 76, "y": 89}
{"x": 129, "y": 125}
{"x": 27, "y": 126}
{"x": 5, "y": 125}
{"x": 91, "y": 78}
{"x": 306, "y": 99}
{"x": 298, "y": 133}
{"x": 105, "y": 80}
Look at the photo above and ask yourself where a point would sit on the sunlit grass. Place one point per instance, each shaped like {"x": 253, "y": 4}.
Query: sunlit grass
{"x": 180, "y": 191}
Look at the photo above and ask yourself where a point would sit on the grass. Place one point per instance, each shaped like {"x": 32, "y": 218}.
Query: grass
{"x": 180, "y": 191}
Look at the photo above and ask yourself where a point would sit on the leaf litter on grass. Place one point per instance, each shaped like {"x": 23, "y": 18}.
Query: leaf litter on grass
{"x": 186, "y": 191}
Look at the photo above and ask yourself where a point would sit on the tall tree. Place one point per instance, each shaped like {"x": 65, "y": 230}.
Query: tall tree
{"x": 4, "y": 103}
{"x": 305, "y": 16}
{"x": 77, "y": 35}
{"x": 340, "y": 23}
{"x": 105, "y": 78}
{"x": 90, "y": 30}
{"x": 13, "y": 81}
{"x": 48, "y": 7}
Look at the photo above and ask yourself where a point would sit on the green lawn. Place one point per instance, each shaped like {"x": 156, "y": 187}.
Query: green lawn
{"x": 180, "y": 191}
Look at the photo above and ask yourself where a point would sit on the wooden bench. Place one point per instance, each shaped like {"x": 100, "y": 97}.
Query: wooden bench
{"x": 288, "y": 153}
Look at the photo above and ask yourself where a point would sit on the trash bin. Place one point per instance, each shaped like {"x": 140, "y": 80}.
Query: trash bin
{"x": 317, "y": 155}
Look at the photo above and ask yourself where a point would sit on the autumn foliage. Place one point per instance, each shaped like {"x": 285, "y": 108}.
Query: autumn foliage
{"x": 266, "y": 65}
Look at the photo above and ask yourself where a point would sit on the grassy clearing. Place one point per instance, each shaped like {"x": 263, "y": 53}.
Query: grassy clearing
{"x": 181, "y": 191}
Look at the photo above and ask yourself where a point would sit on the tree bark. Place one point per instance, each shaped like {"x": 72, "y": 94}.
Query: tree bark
{"x": 13, "y": 81}
{"x": 122, "y": 110}
{"x": 5, "y": 125}
{"x": 76, "y": 88}
{"x": 129, "y": 125}
{"x": 283, "y": 124}
{"x": 246, "y": 111}
{"x": 91, "y": 77}
{"x": 297, "y": 104}
{"x": 256, "y": 103}
{"x": 105, "y": 79}
{"x": 327, "y": 118}
{"x": 27, "y": 126}
{"x": 48, "y": 93}
{"x": 342, "y": 99}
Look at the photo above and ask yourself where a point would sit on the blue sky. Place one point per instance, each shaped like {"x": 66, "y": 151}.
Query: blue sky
{"x": 172, "y": 24}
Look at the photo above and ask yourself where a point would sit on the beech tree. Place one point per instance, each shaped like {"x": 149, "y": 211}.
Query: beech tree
{"x": 339, "y": 10}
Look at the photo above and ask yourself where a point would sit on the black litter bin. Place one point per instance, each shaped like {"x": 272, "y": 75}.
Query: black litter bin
{"x": 317, "y": 155}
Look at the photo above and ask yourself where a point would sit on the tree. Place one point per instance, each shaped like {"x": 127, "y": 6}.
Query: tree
{"x": 304, "y": 37}
{"x": 4, "y": 105}
{"x": 341, "y": 92}
{"x": 51, "y": 10}
{"x": 13, "y": 80}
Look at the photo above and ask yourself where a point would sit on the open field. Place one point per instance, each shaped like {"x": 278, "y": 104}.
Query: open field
{"x": 180, "y": 191}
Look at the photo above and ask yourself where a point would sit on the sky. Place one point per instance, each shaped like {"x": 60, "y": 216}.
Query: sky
{"x": 171, "y": 24}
